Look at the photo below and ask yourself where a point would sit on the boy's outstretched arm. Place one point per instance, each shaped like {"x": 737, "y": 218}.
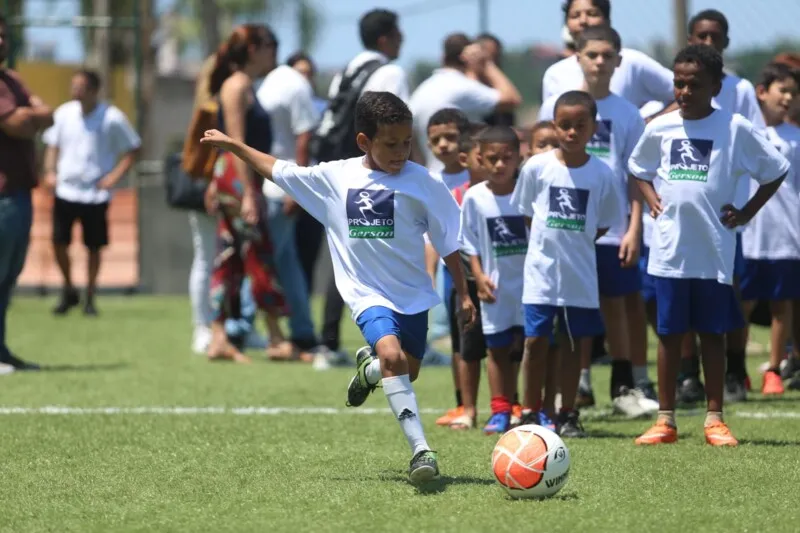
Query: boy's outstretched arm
{"x": 733, "y": 217}
{"x": 466, "y": 312}
{"x": 259, "y": 161}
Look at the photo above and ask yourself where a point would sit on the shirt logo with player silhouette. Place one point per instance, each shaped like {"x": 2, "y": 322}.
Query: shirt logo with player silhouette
{"x": 600, "y": 144}
{"x": 689, "y": 159}
{"x": 508, "y": 234}
{"x": 370, "y": 213}
{"x": 567, "y": 209}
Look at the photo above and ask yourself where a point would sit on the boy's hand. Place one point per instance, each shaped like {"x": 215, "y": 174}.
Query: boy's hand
{"x": 629, "y": 250}
{"x": 218, "y": 139}
{"x": 466, "y": 315}
{"x": 475, "y": 58}
{"x": 656, "y": 209}
{"x": 249, "y": 208}
{"x": 485, "y": 289}
{"x": 733, "y": 217}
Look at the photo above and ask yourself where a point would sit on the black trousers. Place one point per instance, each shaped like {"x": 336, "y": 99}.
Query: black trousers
{"x": 308, "y": 235}
{"x": 332, "y": 317}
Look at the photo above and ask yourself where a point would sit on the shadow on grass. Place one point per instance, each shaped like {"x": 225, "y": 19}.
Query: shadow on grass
{"x": 603, "y": 434}
{"x": 102, "y": 367}
{"x": 561, "y": 496}
{"x": 432, "y": 487}
{"x": 770, "y": 442}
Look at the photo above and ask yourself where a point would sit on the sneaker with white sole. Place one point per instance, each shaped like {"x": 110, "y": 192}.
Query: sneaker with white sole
{"x": 628, "y": 405}
{"x": 648, "y": 404}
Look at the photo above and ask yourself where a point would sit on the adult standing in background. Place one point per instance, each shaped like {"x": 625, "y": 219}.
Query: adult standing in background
{"x": 288, "y": 98}
{"x": 382, "y": 39}
{"x": 22, "y": 117}
{"x": 455, "y": 85}
{"x": 494, "y": 50}
{"x": 90, "y": 148}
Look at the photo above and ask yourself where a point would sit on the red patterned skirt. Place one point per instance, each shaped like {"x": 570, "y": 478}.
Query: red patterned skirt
{"x": 243, "y": 250}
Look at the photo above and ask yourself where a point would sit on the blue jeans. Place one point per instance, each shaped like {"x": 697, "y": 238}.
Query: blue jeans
{"x": 290, "y": 274}
{"x": 16, "y": 216}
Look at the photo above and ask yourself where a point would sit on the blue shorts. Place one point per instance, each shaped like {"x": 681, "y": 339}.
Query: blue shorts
{"x": 612, "y": 279}
{"x": 503, "y": 339}
{"x": 701, "y": 305}
{"x": 773, "y": 280}
{"x": 577, "y": 322}
{"x": 738, "y": 259}
{"x": 648, "y": 285}
{"x": 412, "y": 330}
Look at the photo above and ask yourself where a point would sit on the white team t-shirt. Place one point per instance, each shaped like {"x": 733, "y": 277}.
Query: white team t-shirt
{"x": 388, "y": 77}
{"x": 374, "y": 223}
{"x": 639, "y": 79}
{"x": 566, "y": 206}
{"x": 699, "y": 164}
{"x": 445, "y": 88}
{"x": 289, "y": 99}
{"x": 619, "y": 127}
{"x": 774, "y": 233}
{"x": 492, "y": 228}
{"x": 89, "y": 147}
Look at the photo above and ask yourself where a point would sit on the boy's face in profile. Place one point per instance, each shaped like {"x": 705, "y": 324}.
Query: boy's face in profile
{"x": 443, "y": 141}
{"x": 575, "y": 125}
{"x": 390, "y": 148}
{"x": 499, "y": 161}
{"x": 543, "y": 140}
{"x": 598, "y": 60}
{"x": 694, "y": 89}
{"x": 709, "y": 33}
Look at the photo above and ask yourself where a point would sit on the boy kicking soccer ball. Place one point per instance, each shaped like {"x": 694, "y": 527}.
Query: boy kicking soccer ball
{"x": 699, "y": 154}
{"x": 375, "y": 210}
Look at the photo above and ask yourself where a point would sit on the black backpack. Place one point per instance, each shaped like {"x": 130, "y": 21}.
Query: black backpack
{"x": 335, "y": 137}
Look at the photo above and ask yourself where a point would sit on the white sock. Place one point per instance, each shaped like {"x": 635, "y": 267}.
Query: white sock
{"x": 404, "y": 406}
{"x": 640, "y": 375}
{"x": 586, "y": 378}
{"x": 373, "y": 372}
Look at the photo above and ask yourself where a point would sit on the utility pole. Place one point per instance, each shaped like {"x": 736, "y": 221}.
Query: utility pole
{"x": 681, "y": 17}
{"x": 483, "y": 16}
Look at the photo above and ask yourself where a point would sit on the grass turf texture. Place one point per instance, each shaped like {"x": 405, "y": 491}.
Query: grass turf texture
{"x": 338, "y": 472}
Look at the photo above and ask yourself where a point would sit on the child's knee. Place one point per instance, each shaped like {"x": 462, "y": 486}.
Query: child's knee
{"x": 393, "y": 360}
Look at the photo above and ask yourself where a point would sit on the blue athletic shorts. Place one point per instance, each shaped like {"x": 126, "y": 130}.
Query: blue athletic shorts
{"x": 612, "y": 279}
{"x": 577, "y": 322}
{"x": 648, "y": 285}
{"x": 767, "y": 279}
{"x": 503, "y": 339}
{"x": 702, "y": 305}
{"x": 412, "y": 330}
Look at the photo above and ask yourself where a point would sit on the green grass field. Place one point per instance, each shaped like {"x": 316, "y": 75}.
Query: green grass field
{"x": 342, "y": 470}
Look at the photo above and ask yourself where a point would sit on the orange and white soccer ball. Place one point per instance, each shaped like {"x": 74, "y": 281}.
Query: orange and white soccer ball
{"x": 531, "y": 462}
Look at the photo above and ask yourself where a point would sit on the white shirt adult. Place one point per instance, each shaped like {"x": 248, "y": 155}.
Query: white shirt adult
{"x": 289, "y": 99}
{"x": 699, "y": 164}
{"x": 492, "y": 228}
{"x": 449, "y": 87}
{"x": 89, "y": 147}
{"x": 774, "y": 233}
{"x": 389, "y": 77}
{"x": 639, "y": 79}
{"x": 567, "y": 207}
{"x": 374, "y": 223}
{"x": 619, "y": 127}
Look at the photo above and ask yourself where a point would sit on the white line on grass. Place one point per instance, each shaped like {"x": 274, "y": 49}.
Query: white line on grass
{"x": 272, "y": 411}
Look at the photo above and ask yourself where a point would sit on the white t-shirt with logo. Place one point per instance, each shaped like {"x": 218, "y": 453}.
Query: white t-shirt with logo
{"x": 388, "y": 77}
{"x": 289, "y": 99}
{"x": 639, "y": 79}
{"x": 619, "y": 127}
{"x": 739, "y": 96}
{"x": 445, "y": 88}
{"x": 374, "y": 223}
{"x": 492, "y": 228}
{"x": 566, "y": 206}
{"x": 89, "y": 147}
{"x": 774, "y": 233}
{"x": 699, "y": 164}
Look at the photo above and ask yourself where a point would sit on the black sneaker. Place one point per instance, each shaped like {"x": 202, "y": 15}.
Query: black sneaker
{"x": 790, "y": 367}
{"x": 735, "y": 389}
{"x": 691, "y": 390}
{"x": 529, "y": 417}
{"x": 89, "y": 309}
{"x": 69, "y": 299}
{"x": 649, "y": 391}
{"x": 359, "y": 389}
{"x": 423, "y": 468}
{"x": 18, "y": 364}
{"x": 584, "y": 398}
{"x": 794, "y": 383}
{"x": 569, "y": 425}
